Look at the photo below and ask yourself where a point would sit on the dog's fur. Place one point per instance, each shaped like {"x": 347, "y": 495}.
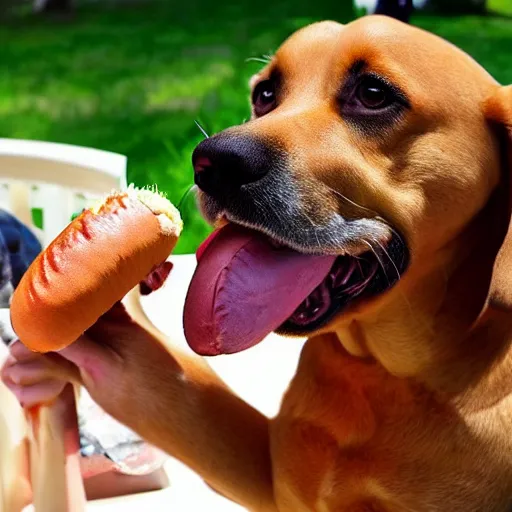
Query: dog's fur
{"x": 402, "y": 402}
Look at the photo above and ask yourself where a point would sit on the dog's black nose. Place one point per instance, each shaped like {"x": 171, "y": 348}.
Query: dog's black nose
{"x": 225, "y": 162}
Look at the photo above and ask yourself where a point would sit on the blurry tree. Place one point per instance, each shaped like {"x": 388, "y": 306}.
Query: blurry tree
{"x": 457, "y": 6}
{"x": 57, "y": 6}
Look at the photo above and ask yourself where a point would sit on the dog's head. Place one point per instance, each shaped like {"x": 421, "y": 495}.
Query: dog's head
{"x": 376, "y": 142}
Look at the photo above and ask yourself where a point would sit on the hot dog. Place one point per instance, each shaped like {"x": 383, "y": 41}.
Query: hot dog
{"x": 96, "y": 260}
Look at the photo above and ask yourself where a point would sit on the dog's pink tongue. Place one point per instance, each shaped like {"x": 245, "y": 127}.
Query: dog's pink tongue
{"x": 243, "y": 289}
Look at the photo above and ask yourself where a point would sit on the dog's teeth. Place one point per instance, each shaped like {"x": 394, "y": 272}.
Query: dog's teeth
{"x": 276, "y": 244}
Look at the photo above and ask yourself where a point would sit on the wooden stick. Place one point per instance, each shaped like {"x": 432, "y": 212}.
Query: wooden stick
{"x": 15, "y": 490}
{"x": 55, "y": 456}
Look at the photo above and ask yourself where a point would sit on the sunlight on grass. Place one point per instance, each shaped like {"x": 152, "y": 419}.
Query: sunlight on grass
{"x": 172, "y": 92}
{"x": 500, "y": 6}
{"x": 133, "y": 79}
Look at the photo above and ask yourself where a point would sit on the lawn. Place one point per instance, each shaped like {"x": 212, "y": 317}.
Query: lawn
{"x": 133, "y": 79}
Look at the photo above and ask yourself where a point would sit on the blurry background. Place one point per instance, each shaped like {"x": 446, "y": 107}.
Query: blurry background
{"x": 132, "y": 76}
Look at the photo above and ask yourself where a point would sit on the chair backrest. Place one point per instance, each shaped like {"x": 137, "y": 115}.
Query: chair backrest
{"x": 44, "y": 184}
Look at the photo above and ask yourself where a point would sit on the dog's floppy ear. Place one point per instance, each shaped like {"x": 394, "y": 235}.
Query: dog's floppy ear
{"x": 498, "y": 110}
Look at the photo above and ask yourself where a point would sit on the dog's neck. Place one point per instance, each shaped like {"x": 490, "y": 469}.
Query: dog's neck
{"x": 435, "y": 326}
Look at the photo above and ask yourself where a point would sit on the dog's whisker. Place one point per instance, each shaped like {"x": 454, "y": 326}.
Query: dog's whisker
{"x": 391, "y": 228}
{"x": 379, "y": 260}
{"x": 261, "y": 206}
{"x": 403, "y": 295}
{"x": 256, "y": 59}
{"x": 265, "y": 59}
{"x": 384, "y": 250}
{"x": 353, "y": 203}
{"x": 192, "y": 188}
{"x": 314, "y": 229}
{"x": 267, "y": 211}
{"x": 376, "y": 217}
{"x": 201, "y": 129}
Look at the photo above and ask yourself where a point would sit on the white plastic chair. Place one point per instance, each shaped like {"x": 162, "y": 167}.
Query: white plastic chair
{"x": 58, "y": 179}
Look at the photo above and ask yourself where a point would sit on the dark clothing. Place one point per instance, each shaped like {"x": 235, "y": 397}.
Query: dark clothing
{"x": 399, "y": 9}
{"x": 19, "y": 247}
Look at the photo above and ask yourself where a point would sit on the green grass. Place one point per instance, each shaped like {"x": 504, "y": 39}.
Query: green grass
{"x": 133, "y": 79}
{"x": 500, "y": 6}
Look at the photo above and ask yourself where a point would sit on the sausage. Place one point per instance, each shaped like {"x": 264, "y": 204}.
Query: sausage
{"x": 96, "y": 260}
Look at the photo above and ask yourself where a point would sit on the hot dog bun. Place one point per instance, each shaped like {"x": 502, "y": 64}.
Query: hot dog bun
{"x": 92, "y": 264}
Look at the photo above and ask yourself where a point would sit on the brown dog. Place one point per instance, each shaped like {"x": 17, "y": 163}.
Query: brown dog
{"x": 391, "y": 148}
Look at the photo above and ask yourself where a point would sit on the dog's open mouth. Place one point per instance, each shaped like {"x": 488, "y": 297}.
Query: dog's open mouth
{"x": 350, "y": 278}
{"x": 246, "y": 285}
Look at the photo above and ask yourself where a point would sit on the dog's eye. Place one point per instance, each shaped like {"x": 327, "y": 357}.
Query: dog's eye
{"x": 264, "y": 97}
{"x": 372, "y": 103}
{"x": 373, "y": 94}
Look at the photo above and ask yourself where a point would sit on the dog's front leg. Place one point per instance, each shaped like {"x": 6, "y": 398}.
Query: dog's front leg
{"x": 173, "y": 400}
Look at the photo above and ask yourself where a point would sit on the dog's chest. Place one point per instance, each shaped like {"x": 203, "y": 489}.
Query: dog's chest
{"x": 352, "y": 438}
{"x": 322, "y": 439}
